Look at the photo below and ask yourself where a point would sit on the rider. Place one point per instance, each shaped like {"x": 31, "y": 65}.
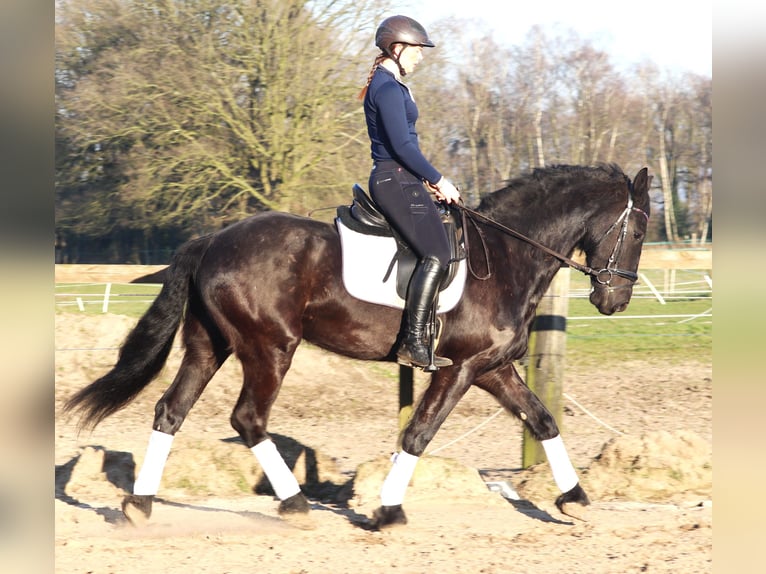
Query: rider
{"x": 401, "y": 177}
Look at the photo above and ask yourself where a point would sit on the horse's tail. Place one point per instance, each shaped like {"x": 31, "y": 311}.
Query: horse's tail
{"x": 147, "y": 346}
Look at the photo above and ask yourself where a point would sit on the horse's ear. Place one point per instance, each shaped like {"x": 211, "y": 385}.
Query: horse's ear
{"x": 641, "y": 182}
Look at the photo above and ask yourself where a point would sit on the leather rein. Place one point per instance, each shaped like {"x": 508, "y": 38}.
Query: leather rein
{"x": 602, "y": 277}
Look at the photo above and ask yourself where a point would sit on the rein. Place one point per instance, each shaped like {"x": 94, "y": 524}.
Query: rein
{"x": 603, "y": 276}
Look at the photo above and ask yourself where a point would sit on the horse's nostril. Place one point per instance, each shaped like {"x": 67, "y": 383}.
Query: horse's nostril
{"x": 621, "y": 308}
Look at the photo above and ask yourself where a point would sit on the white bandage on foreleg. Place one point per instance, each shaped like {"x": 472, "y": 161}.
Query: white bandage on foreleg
{"x": 276, "y": 470}
{"x": 563, "y": 472}
{"x": 157, "y": 451}
{"x": 392, "y": 492}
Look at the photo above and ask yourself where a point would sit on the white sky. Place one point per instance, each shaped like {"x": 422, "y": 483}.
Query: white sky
{"x": 674, "y": 34}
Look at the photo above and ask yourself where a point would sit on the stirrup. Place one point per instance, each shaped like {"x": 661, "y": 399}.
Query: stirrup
{"x": 432, "y": 366}
{"x": 405, "y": 356}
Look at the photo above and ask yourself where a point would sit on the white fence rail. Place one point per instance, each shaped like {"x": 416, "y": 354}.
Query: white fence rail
{"x": 695, "y": 285}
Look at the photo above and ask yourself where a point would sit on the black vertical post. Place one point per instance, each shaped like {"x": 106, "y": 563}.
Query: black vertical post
{"x": 406, "y": 395}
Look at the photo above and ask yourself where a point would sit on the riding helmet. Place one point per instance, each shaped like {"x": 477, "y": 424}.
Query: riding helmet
{"x": 402, "y": 30}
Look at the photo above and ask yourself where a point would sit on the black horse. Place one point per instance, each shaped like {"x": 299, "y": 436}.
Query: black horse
{"x": 260, "y": 286}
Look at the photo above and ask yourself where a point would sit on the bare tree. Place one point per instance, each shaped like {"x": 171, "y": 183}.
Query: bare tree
{"x": 205, "y": 111}
{"x": 474, "y": 105}
{"x": 695, "y": 131}
{"x": 664, "y": 131}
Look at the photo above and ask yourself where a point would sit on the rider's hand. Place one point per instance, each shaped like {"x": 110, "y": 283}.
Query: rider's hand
{"x": 445, "y": 191}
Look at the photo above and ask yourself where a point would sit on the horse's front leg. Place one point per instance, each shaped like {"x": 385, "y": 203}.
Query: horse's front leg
{"x": 445, "y": 390}
{"x": 507, "y": 386}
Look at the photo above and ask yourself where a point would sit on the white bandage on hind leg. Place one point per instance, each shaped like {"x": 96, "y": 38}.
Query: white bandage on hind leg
{"x": 392, "y": 492}
{"x": 563, "y": 472}
{"x": 157, "y": 451}
{"x": 276, "y": 470}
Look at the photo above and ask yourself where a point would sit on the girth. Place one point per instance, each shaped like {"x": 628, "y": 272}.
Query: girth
{"x": 363, "y": 216}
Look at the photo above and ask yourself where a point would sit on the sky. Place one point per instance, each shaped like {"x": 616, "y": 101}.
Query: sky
{"x": 676, "y": 35}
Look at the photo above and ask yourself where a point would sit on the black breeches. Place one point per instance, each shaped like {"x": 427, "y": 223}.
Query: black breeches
{"x": 410, "y": 209}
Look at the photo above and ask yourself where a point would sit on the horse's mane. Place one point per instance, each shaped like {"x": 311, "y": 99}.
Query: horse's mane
{"x": 538, "y": 185}
{"x": 609, "y": 172}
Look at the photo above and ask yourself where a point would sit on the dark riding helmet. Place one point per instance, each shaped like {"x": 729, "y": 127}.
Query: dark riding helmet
{"x": 402, "y": 30}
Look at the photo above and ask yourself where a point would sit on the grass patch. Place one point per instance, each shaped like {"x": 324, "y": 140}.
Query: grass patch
{"x": 677, "y": 330}
{"x": 645, "y": 330}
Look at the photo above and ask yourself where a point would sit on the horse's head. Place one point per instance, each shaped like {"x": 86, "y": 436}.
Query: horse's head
{"x": 616, "y": 249}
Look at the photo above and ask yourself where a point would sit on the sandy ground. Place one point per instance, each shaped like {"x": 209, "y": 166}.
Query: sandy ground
{"x": 643, "y": 449}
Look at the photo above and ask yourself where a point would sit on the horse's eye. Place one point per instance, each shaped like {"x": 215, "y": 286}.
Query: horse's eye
{"x": 638, "y": 236}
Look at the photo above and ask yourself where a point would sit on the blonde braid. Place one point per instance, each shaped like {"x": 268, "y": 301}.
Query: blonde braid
{"x": 380, "y": 57}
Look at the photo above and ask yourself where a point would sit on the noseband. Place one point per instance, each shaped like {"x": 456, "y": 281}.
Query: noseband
{"x": 601, "y": 278}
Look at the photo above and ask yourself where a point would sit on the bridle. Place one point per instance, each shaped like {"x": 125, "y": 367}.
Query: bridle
{"x": 600, "y": 278}
{"x": 603, "y": 277}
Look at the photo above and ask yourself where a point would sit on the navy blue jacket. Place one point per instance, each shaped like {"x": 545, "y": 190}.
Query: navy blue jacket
{"x": 391, "y": 114}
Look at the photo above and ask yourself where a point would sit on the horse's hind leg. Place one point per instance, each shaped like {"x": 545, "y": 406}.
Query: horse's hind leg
{"x": 205, "y": 353}
{"x": 264, "y": 367}
{"x": 507, "y": 386}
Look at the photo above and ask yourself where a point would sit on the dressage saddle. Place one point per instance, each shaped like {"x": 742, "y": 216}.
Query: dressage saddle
{"x": 363, "y": 216}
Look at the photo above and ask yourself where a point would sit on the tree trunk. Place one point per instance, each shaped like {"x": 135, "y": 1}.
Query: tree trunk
{"x": 667, "y": 188}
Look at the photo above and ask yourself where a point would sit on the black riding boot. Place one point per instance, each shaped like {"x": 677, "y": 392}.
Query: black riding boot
{"x": 424, "y": 285}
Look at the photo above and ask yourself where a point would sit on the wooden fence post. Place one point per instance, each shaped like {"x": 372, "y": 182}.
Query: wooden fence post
{"x": 547, "y": 350}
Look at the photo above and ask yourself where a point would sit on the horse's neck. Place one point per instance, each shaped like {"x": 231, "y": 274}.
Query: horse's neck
{"x": 540, "y": 269}
{"x": 559, "y": 234}
{"x": 527, "y": 267}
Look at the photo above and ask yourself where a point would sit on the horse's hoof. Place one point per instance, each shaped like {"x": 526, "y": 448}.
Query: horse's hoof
{"x": 296, "y": 504}
{"x": 573, "y": 502}
{"x": 387, "y": 516}
{"x": 137, "y": 508}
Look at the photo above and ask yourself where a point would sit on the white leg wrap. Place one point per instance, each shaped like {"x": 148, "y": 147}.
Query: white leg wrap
{"x": 276, "y": 470}
{"x": 392, "y": 492}
{"x": 157, "y": 451}
{"x": 563, "y": 472}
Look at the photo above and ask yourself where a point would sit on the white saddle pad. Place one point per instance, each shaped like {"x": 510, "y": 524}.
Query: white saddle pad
{"x": 366, "y": 259}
